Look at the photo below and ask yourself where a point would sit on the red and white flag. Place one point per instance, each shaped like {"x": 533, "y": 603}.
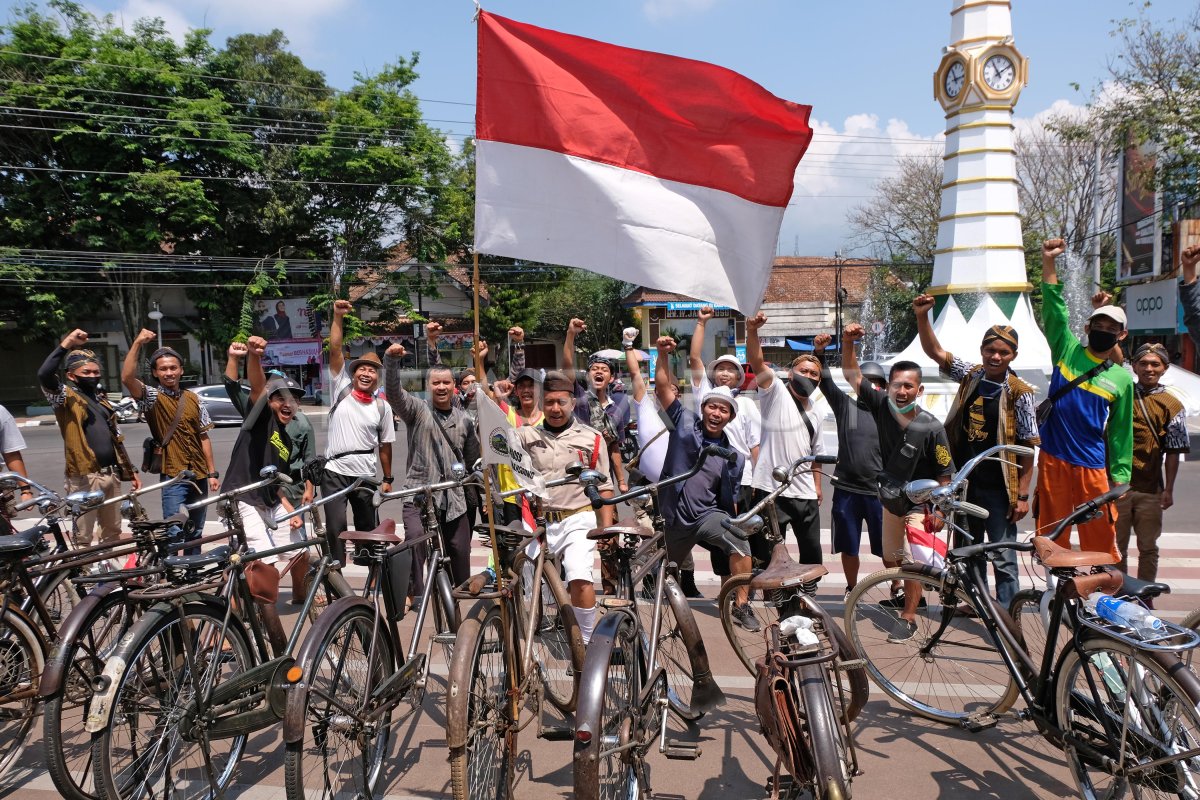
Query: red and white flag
{"x": 662, "y": 171}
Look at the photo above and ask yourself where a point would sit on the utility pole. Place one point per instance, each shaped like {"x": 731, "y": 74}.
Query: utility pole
{"x": 1096, "y": 217}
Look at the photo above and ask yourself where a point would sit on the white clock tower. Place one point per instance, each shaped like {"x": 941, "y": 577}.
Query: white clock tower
{"x": 979, "y": 276}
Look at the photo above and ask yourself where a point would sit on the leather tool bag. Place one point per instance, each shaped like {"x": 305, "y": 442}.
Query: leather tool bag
{"x": 778, "y": 709}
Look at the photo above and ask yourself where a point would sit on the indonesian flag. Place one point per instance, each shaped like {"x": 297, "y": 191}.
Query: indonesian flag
{"x": 662, "y": 171}
{"x": 927, "y": 548}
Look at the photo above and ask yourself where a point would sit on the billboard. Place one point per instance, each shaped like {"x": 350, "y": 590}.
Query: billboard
{"x": 286, "y": 318}
{"x": 1151, "y": 308}
{"x": 292, "y": 353}
{"x": 1139, "y": 254}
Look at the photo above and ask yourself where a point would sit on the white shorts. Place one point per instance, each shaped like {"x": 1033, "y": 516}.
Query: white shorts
{"x": 568, "y": 540}
{"x": 259, "y": 537}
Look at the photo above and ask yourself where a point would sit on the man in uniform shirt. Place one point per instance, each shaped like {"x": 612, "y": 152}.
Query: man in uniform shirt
{"x": 553, "y": 444}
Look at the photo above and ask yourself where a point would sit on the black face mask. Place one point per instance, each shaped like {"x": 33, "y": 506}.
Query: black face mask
{"x": 87, "y": 385}
{"x": 801, "y": 385}
{"x": 1102, "y": 341}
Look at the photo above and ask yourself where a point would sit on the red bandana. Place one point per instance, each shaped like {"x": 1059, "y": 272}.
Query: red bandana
{"x": 361, "y": 396}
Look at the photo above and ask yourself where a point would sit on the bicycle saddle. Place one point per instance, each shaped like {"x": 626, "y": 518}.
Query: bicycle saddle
{"x": 783, "y": 571}
{"x": 620, "y": 530}
{"x": 386, "y": 532}
{"x": 181, "y": 519}
{"x": 1132, "y": 587}
{"x": 218, "y": 555}
{"x": 19, "y": 545}
{"x": 1052, "y": 555}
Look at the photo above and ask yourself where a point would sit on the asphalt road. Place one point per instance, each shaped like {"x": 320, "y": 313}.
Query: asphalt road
{"x": 901, "y": 756}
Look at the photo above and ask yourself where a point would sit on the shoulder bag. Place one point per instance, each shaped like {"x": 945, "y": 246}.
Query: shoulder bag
{"x": 152, "y": 449}
{"x": 1045, "y": 409}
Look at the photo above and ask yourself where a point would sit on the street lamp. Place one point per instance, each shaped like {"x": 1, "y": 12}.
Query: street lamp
{"x": 157, "y": 316}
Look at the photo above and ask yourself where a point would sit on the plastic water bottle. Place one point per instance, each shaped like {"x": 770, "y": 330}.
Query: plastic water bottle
{"x": 800, "y": 627}
{"x": 1122, "y": 612}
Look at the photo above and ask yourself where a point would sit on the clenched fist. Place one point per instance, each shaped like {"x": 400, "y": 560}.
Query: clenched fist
{"x": 433, "y": 330}
{"x": 854, "y": 332}
{"x": 705, "y": 313}
{"x": 396, "y": 351}
{"x": 821, "y": 341}
{"x": 516, "y": 333}
{"x": 144, "y": 336}
{"x": 341, "y": 308}
{"x": 665, "y": 344}
{"x": 922, "y": 303}
{"x": 256, "y": 346}
{"x": 237, "y": 350}
{"x": 757, "y": 321}
{"x": 576, "y": 326}
{"x": 1052, "y": 248}
{"x": 76, "y": 338}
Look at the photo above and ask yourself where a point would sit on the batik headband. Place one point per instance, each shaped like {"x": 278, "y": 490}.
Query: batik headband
{"x": 77, "y": 358}
{"x": 1154, "y": 348}
{"x": 1005, "y": 333}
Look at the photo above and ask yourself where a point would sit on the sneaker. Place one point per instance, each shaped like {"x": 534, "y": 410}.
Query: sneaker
{"x": 897, "y": 601}
{"x": 743, "y": 615}
{"x": 902, "y": 631}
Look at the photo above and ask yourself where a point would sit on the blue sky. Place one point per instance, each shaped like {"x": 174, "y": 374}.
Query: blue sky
{"x": 864, "y": 66}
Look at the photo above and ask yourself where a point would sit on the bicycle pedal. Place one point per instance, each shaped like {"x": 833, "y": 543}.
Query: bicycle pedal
{"x": 682, "y": 751}
{"x": 444, "y": 638}
{"x": 614, "y": 602}
{"x": 980, "y": 722}
{"x": 852, "y": 663}
{"x": 557, "y": 733}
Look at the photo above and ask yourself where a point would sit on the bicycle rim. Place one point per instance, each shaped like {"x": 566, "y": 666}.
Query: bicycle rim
{"x": 22, "y": 659}
{"x": 673, "y": 655}
{"x": 961, "y": 676}
{"x": 552, "y": 633}
{"x": 826, "y": 737}
{"x": 482, "y": 769}
{"x": 144, "y": 752}
{"x": 341, "y": 754}
{"x": 749, "y": 646}
{"x": 68, "y": 744}
{"x": 1150, "y": 715}
{"x": 59, "y": 598}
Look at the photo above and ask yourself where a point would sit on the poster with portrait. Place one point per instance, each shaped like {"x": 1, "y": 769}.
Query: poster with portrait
{"x": 284, "y": 318}
{"x": 1140, "y": 252}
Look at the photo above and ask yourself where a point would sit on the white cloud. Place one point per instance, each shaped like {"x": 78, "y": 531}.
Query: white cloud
{"x": 174, "y": 20}
{"x": 665, "y": 9}
{"x": 299, "y": 19}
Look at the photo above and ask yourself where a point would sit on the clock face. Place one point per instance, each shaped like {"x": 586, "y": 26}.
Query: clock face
{"x": 954, "y": 79}
{"x": 999, "y": 72}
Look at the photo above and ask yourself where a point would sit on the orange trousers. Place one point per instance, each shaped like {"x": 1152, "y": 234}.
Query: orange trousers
{"x": 1060, "y": 488}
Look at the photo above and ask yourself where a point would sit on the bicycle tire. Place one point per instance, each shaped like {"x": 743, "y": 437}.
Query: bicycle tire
{"x": 1165, "y": 698}
{"x": 609, "y": 714}
{"x": 60, "y": 596}
{"x": 1025, "y": 610}
{"x": 826, "y": 736}
{"x": 68, "y": 745}
{"x": 22, "y": 659}
{"x": 1192, "y": 620}
{"x": 557, "y": 642}
{"x": 149, "y": 672}
{"x": 678, "y": 638}
{"x": 352, "y": 657}
{"x": 963, "y": 677}
{"x": 479, "y": 728}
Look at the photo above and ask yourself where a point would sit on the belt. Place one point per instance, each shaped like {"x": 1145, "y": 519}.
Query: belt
{"x": 560, "y": 515}
{"x": 110, "y": 470}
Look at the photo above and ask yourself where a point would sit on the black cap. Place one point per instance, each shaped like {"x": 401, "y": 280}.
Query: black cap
{"x": 534, "y": 375}
{"x": 280, "y": 384}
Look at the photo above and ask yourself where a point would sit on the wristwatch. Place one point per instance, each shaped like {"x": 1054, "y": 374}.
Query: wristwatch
{"x": 388, "y": 479}
{"x": 1023, "y": 498}
{"x": 213, "y": 474}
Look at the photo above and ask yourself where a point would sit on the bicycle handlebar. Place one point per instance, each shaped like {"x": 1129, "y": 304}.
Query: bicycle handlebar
{"x": 591, "y": 479}
{"x": 19, "y": 478}
{"x": 273, "y": 521}
{"x": 744, "y": 525}
{"x": 380, "y": 498}
{"x": 1088, "y": 508}
{"x": 187, "y": 475}
{"x": 272, "y": 475}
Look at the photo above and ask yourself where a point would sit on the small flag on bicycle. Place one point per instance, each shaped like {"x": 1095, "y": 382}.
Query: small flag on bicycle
{"x": 926, "y": 547}
{"x": 503, "y": 448}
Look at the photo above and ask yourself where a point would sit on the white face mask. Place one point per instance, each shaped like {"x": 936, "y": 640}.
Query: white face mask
{"x": 901, "y": 409}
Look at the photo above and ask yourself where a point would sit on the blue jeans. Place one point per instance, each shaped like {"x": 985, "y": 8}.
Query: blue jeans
{"x": 998, "y": 529}
{"x": 180, "y": 494}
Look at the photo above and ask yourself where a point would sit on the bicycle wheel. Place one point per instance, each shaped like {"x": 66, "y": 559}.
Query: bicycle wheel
{"x": 22, "y": 659}
{"x": 677, "y": 638}
{"x": 960, "y": 676}
{"x": 479, "y": 722}
{"x": 151, "y": 747}
{"x": 1192, "y": 620}
{"x": 1026, "y": 613}
{"x": 1149, "y": 702}
{"x": 826, "y": 736}
{"x": 607, "y": 767}
{"x": 59, "y": 596}
{"x": 747, "y": 644}
{"x": 556, "y": 639}
{"x": 68, "y": 744}
{"x": 342, "y": 753}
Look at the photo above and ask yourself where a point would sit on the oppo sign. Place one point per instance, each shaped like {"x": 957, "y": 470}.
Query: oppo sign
{"x": 1152, "y": 306}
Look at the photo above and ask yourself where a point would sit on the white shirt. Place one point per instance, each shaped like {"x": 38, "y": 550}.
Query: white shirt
{"x": 649, "y": 424}
{"x": 356, "y": 426}
{"x": 744, "y": 431}
{"x": 785, "y": 438}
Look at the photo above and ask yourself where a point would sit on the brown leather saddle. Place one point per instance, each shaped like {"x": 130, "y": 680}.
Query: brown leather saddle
{"x": 783, "y": 571}
{"x": 386, "y": 533}
{"x": 620, "y": 530}
{"x": 1052, "y": 555}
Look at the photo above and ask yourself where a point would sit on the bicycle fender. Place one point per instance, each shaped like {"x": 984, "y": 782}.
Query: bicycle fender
{"x": 706, "y": 694}
{"x": 595, "y": 676}
{"x": 68, "y": 634}
{"x": 103, "y": 700}
{"x": 459, "y": 679}
{"x": 297, "y": 693}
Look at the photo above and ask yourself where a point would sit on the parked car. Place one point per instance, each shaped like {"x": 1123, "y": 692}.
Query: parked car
{"x": 220, "y": 407}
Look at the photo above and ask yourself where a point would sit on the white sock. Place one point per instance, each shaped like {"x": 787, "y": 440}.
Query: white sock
{"x": 586, "y": 617}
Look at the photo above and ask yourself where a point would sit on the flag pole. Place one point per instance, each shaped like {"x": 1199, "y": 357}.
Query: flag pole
{"x": 487, "y": 483}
